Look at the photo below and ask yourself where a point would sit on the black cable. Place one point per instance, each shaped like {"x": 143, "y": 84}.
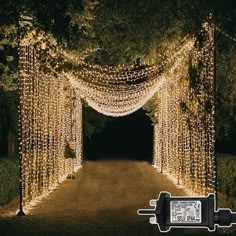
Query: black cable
{"x": 233, "y": 218}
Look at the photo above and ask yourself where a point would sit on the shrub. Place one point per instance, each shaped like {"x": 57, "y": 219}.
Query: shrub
{"x": 226, "y": 174}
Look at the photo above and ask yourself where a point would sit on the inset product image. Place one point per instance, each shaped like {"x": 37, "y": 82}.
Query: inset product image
{"x": 187, "y": 212}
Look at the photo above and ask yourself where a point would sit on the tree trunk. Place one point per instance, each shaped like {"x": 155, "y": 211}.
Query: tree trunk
{"x": 11, "y": 144}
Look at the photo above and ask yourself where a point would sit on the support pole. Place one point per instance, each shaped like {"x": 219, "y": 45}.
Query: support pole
{"x": 214, "y": 96}
{"x": 23, "y": 21}
{"x": 20, "y": 212}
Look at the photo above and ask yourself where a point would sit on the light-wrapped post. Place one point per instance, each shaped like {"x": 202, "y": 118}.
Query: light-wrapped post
{"x": 20, "y": 123}
{"x": 25, "y": 22}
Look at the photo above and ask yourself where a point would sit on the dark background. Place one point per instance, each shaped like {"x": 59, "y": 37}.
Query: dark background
{"x": 128, "y": 137}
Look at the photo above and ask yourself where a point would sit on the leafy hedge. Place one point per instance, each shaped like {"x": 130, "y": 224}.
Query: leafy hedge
{"x": 9, "y": 179}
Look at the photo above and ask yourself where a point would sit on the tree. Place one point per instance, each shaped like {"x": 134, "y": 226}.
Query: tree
{"x": 120, "y": 32}
{"x": 226, "y": 94}
{"x": 67, "y": 21}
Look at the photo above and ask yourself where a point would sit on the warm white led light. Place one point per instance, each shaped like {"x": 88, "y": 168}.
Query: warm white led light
{"x": 184, "y": 130}
{"x": 48, "y": 119}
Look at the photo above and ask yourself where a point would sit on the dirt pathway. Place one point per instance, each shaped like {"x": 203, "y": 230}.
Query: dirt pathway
{"x": 102, "y": 200}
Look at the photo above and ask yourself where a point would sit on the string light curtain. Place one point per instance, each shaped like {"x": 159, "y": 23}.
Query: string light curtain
{"x": 49, "y": 118}
{"x": 184, "y": 130}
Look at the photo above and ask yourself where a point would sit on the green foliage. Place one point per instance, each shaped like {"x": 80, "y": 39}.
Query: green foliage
{"x": 8, "y": 120}
{"x": 8, "y": 109}
{"x": 8, "y": 57}
{"x": 152, "y": 107}
{"x": 69, "y": 152}
{"x": 226, "y": 174}
{"x": 120, "y": 32}
{"x": 225, "y": 63}
{"x": 226, "y": 89}
{"x": 66, "y": 21}
{"x": 9, "y": 180}
{"x": 92, "y": 121}
{"x": 128, "y": 30}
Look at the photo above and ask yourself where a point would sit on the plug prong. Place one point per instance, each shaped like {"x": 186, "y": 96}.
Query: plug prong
{"x": 146, "y": 211}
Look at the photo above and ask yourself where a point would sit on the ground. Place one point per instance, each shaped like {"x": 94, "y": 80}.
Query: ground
{"x": 102, "y": 200}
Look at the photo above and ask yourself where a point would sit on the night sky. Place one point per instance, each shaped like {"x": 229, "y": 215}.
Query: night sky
{"x": 128, "y": 137}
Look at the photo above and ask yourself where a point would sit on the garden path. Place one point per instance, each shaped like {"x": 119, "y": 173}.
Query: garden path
{"x": 102, "y": 200}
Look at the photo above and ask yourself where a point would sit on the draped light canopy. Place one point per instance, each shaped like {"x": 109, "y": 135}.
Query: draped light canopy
{"x": 120, "y": 91}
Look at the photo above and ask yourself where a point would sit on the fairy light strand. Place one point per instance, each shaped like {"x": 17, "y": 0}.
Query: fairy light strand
{"x": 184, "y": 130}
{"x": 45, "y": 127}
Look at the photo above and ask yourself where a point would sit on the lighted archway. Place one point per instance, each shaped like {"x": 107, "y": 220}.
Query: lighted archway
{"x": 51, "y": 110}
